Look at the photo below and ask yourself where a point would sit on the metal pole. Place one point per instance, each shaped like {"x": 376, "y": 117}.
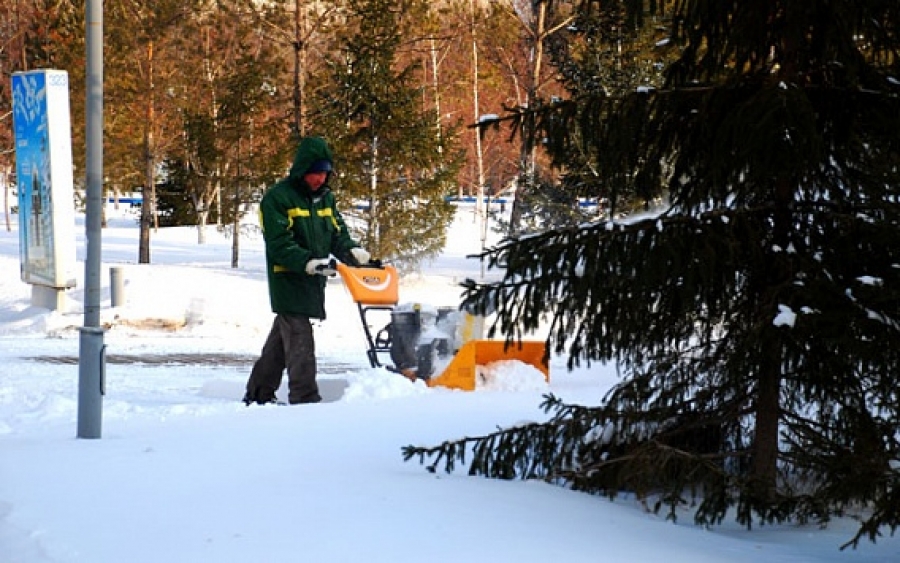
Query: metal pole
{"x": 91, "y": 351}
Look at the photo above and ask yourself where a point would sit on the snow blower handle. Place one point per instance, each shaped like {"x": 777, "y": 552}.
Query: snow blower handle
{"x": 329, "y": 269}
{"x": 322, "y": 267}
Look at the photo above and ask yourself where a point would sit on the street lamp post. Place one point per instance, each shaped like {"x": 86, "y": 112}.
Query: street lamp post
{"x": 91, "y": 360}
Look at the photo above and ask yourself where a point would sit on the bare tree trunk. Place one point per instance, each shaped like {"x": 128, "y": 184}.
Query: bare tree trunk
{"x": 148, "y": 203}
{"x": 236, "y": 209}
{"x": 526, "y": 155}
{"x": 214, "y": 114}
{"x": 218, "y": 199}
{"x": 765, "y": 446}
{"x": 202, "y": 219}
{"x": 373, "y": 200}
{"x": 103, "y": 220}
{"x": 300, "y": 54}
{"x": 764, "y": 463}
{"x": 435, "y": 86}
{"x": 3, "y": 178}
{"x": 480, "y": 209}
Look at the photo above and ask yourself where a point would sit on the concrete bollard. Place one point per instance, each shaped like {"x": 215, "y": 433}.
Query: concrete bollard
{"x": 116, "y": 286}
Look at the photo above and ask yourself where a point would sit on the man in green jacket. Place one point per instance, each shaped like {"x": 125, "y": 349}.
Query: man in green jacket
{"x": 302, "y": 229}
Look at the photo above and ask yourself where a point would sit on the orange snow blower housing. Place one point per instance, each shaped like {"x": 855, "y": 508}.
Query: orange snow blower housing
{"x": 439, "y": 346}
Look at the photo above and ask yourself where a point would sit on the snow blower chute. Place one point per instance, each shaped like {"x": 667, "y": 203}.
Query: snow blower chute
{"x": 439, "y": 345}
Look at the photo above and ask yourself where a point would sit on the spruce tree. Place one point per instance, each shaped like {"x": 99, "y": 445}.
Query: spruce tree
{"x": 756, "y": 316}
{"x": 609, "y": 51}
{"x": 390, "y": 162}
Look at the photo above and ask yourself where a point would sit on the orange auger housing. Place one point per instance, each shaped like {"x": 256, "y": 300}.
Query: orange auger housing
{"x": 462, "y": 371}
{"x": 376, "y": 288}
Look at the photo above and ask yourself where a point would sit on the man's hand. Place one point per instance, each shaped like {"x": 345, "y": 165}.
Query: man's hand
{"x": 320, "y": 267}
{"x": 361, "y": 256}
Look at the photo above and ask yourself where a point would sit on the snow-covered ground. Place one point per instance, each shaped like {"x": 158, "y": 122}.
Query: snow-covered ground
{"x": 185, "y": 473}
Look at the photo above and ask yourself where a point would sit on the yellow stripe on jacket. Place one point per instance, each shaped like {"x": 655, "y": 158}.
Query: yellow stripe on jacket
{"x": 297, "y": 212}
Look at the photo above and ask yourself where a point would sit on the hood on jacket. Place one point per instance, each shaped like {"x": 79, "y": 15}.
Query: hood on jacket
{"x": 311, "y": 149}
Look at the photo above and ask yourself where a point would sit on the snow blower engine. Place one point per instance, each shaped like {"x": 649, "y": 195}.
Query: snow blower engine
{"x": 439, "y": 345}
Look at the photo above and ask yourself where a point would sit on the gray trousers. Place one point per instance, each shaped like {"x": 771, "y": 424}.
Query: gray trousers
{"x": 290, "y": 345}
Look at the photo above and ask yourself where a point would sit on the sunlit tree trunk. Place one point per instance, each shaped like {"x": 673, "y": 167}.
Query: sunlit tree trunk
{"x": 3, "y": 178}
{"x": 480, "y": 208}
{"x": 526, "y": 155}
{"x": 300, "y": 65}
{"x": 148, "y": 204}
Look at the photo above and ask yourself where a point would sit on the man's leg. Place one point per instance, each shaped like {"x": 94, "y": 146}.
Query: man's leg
{"x": 300, "y": 356}
{"x": 265, "y": 377}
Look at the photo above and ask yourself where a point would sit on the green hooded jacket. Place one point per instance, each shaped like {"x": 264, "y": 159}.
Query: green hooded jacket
{"x": 298, "y": 226}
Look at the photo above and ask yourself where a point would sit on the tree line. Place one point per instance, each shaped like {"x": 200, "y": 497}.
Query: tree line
{"x": 204, "y": 101}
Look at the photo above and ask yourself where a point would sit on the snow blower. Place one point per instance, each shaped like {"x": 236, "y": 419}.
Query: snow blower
{"x": 439, "y": 345}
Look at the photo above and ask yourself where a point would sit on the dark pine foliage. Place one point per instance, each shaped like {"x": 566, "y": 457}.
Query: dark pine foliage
{"x": 756, "y": 316}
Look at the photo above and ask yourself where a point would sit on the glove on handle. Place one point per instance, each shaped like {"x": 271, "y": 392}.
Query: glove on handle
{"x": 361, "y": 256}
{"x": 321, "y": 267}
